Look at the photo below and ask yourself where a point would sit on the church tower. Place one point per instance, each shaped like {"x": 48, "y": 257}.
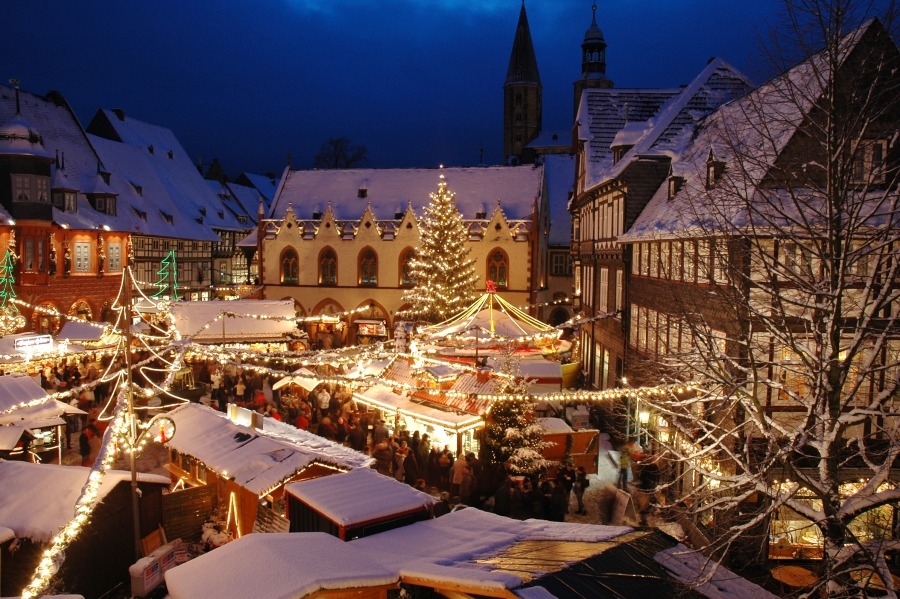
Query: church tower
{"x": 522, "y": 95}
{"x": 593, "y": 60}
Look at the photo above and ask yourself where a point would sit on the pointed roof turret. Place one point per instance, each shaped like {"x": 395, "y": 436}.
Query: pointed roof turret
{"x": 593, "y": 57}
{"x": 522, "y": 61}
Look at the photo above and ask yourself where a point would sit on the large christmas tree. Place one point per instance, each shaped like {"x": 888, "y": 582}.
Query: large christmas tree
{"x": 443, "y": 272}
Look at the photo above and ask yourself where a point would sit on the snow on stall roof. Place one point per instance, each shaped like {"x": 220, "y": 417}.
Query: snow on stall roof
{"x": 58, "y": 487}
{"x": 258, "y": 460}
{"x": 80, "y": 330}
{"x": 449, "y": 416}
{"x": 445, "y": 549}
{"x": 554, "y": 425}
{"x": 6, "y": 534}
{"x": 690, "y": 567}
{"x": 18, "y": 388}
{"x": 191, "y": 320}
{"x": 359, "y": 496}
{"x": 283, "y": 565}
{"x": 517, "y": 188}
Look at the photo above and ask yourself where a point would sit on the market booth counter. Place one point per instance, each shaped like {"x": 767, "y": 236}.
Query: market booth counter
{"x": 32, "y": 425}
{"x": 344, "y": 505}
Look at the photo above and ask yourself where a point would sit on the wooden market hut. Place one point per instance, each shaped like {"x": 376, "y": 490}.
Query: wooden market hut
{"x": 36, "y": 500}
{"x": 355, "y": 504}
{"x": 242, "y": 461}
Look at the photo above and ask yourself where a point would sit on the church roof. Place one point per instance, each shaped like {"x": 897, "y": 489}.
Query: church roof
{"x": 522, "y": 61}
{"x": 349, "y": 192}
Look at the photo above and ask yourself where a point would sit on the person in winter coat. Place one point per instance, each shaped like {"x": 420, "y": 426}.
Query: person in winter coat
{"x": 581, "y": 483}
{"x": 411, "y": 468}
{"x": 384, "y": 457}
{"x": 458, "y": 472}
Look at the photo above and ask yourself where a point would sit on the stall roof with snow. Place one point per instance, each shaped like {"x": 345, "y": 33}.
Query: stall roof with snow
{"x": 358, "y": 499}
{"x": 257, "y": 460}
{"x": 58, "y": 488}
{"x": 235, "y": 321}
{"x": 469, "y": 551}
{"x": 16, "y": 395}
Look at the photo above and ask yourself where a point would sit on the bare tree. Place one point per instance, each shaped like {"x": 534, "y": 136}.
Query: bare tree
{"x": 787, "y": 220}
{"x": 339, "y": 153}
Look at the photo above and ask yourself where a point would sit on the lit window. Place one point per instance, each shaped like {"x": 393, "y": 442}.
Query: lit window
{"x": 368, "y": 268}
{"x": 498, "y": 269}
{"x": 290, "y": 268}
{"x": 114, "y": 256}
{"x": 328, "y": 268}
{"x": 407, "y": 278}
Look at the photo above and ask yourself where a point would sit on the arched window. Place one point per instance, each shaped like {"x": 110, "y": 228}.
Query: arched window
{"x": 290, "y": 267}
{"x": 328, "y": 267}
{"x": 368, "y": 268}
{"x": 407, "y": 278}
{"x": 498, "y": 269}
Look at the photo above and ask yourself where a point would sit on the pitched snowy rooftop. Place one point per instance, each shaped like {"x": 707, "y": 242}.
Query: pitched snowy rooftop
{"x": 470, "y": 550}
{"x": 16, "y": 389}
{"x": 258, "y": 460}
{"x": 391, "y": 191}
{"x": 59, "y": 488}
{"x": 758, "y": 125}
{"x": 360, "y": 495}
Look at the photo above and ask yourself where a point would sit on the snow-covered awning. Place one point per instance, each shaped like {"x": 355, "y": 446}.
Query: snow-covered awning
{"x": 16, "y": 393}
{"x": 382, "y": 397}
{"x": 302, "y": 377}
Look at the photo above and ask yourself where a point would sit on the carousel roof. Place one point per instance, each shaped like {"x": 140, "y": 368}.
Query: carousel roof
{"x": 490, "y": 319}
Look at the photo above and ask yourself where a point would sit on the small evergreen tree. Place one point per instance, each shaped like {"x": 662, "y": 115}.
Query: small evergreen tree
{"x": 512, "y": 434}
{"x": 10, "y": 319}
{"x": 444, "y": 274}
{"x": 168, "y": 278}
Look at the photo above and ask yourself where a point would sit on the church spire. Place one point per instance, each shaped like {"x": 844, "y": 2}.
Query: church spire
{"x": 522, "y": 62}
{"x": 522, "y": 95}
{"x": 593, "y": 60}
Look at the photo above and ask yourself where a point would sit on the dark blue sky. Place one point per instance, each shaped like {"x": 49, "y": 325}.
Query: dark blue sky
{"x": 418, "y": 82}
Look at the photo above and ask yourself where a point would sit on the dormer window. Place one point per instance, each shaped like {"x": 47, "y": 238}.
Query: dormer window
{"x": 102, "y": 202}
{"x": 167, "y": 216}
{"x": 141, "y": 214}
{"x": 243, "y": 219}
{"x": 221, "y": 214}
{"x": 150, "y": 148}
{"x": 619, "y": 152}
{"x": 714, "y": 170}
{"x": 362, "y": 192}
{"x": 170, "y": 154}
{"x": 138, "y": 188}
{"x": 868, "y": 162}
{"x": 675, "y": 183}
{"x": 203, "y": 210}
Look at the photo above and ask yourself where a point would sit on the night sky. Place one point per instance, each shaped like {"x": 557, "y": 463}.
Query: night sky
{"x": 418, "y": 82}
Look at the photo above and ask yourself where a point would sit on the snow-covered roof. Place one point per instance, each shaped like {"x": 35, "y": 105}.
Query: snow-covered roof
{"x": 10, "y": 435}
{"x": 358, "y": 496}
{"x": 244, "y": 320}
{"x": 650, "y": 121}
{"x": 560, "y": 170}
{"x": 258, "y": 460}
{"x": 16, "y": 389}
{"x": 554, "y": 425}
{"x": 80, "y": 330}
{"x": 518, "y": 189}
{"x": 757, "y": 127}
{"x": 59, "y": 488}
{"x": 469, "y": 550}
{"x": 689, "y": 566}
{"x": 252, "y": 566}
{"x": 445, "y": 416}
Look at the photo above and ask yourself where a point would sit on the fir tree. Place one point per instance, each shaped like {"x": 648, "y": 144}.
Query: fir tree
{"x": 512, "y": 434}
{"x": 10, "y": 319}
{"x": 168, "y": 278}
{"x": 444, "y": 274}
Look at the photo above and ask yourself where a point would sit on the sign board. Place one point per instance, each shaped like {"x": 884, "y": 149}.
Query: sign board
{"x": 34, "y": 344}
{"x": 623, "y": 510}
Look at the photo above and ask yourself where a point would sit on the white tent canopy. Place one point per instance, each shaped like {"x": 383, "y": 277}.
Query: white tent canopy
{"x": 302, "y": 377}
{"x": 237, "y": 320}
